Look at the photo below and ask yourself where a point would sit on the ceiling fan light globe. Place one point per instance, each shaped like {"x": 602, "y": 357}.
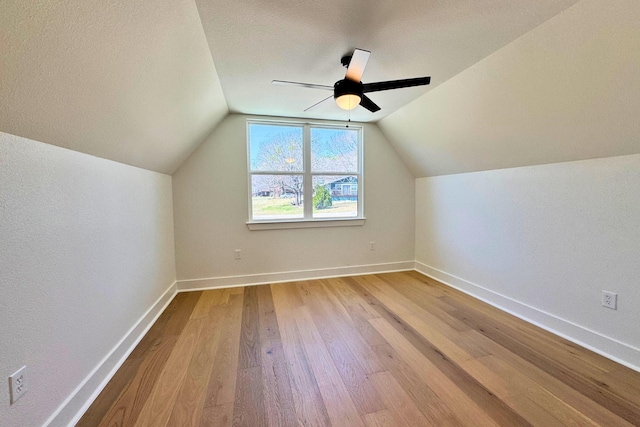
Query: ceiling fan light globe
{"x": 348, "y": 101}
{"x": 347, "y": 93}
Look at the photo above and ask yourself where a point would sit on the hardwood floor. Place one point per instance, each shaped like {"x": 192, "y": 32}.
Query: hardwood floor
{"x": 380, "y": 350}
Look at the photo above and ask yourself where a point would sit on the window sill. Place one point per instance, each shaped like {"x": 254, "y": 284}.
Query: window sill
{"x": 312, "y": 223}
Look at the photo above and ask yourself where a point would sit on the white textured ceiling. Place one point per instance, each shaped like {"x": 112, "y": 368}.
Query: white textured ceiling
{"x": 256, "y": 41}
{"x": 131, "y": 81}
{"x": 144, "y": 82}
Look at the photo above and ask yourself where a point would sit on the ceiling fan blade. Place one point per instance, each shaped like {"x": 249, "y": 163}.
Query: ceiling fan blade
{"x": 318, "y": 103}
{"x": 367, "y": 103}
{"x": 308, "y": 85}
{"x": 395, "y": 84}
{"x": 356, "y": 65}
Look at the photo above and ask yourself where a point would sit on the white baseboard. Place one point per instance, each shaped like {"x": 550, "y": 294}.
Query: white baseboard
{"x": 610, "y": 348}
{"x": 72, "y": 409}
{"x": 291, "y": 276}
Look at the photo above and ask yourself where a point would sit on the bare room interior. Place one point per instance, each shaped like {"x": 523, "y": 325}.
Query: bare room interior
{"x": 356, "y": 213}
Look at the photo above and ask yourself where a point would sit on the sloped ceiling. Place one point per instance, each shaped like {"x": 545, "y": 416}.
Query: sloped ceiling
{"x": 568, "y": 90}
{"x": 131, "y": 81}
{"x": 136, "y": 82}
{"x": 254, "y": 42}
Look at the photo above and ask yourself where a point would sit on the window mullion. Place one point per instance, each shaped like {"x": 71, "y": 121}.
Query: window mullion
{"x": 307, "y": 180}
{"x": 277, "y": 173}
{"x": 360, "y": 174}
{"x": 318, "y": 173}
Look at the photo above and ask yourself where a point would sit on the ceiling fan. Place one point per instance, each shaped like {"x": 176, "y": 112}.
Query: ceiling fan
{"x": 350, "y": 91}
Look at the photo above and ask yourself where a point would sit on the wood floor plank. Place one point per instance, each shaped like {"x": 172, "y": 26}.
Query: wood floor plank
{"x": 435, "y": 409}
{"x": 309, "y": 406}
{"x": 343, "y": 343}
{"x": 189, "y": 403}
{"x": 402, "y": 408}
{"x": 496, "y": 409}
{"x": 350, "y": 299}
{"x": 564, "y": 413}
{"x": 248, "y": 408}
{"x": 340, "y": 406}
{"x": 127, "y": 408}
{"x": 313, "y": 290}
{"x": 534, "y": 413}
{"x": 472, "y": 343}
{"x": 140, "y": 371}
{"x": 345, "y": 324}
{"x": 353, "y": 375}
{"x": 278, "y": 398}
{"x": 545, "y": 400}
{"x": 360, "y": 313}
{"x": 519, "y": 391}
{"x": 552, "y": 385}
{"x": 290, "y": 297}
{"x": 567, "y": 351}
{"x": 422, "y": 294}
{"x": 111, "y": 394}
{"x": 435, "y": 288}
{"x": 439, "y": 333}
{"x": 623, "y": 381}
{"x": 170, "y": 323}
{"x": 380, "y": 419}
{"x": 249, "y": 355}
{"x": 465, "y": 408}
{"x": 172, "y": 319}
{"x": 217, "y": 416}
{"x": 221, "y": 387}
{"x": 388, "y": 349}
{"x": 157, "y": 409}
{"x": 185, "y": 302}
{"x": 206, "y": 302}
{"x": 568, "y": 370}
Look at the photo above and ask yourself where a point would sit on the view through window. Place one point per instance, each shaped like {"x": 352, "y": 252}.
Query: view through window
{"x": 304, "y": 172}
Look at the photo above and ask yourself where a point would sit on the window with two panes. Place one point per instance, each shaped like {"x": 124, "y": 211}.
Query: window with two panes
{"x": 304, "y": 172}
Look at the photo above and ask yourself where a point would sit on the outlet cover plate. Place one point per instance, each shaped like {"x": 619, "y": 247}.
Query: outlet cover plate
{"x": 17, "y": 385}
{"x": 610, "y": 300}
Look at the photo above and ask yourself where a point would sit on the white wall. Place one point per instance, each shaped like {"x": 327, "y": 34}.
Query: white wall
{"x": 211, "y": 209}
{"x": 86, "y": 249}
{"x": 549, "y": 238}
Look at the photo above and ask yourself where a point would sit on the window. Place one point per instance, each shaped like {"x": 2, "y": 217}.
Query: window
{"x": 303, "y": 172}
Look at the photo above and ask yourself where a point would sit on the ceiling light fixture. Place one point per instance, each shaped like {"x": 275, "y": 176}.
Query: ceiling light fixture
{"x": 347, "y": 94}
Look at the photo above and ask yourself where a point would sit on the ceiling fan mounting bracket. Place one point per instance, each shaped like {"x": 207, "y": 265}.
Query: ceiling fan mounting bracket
{"x": 346, "y": 60}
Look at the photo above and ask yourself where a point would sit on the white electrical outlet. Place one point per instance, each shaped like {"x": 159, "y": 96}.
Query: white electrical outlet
{"x": 237, "y": 254}
{"x": 372, "y": 246}
{"x": 17, "y": 385}
{"x": 610, "y": 300}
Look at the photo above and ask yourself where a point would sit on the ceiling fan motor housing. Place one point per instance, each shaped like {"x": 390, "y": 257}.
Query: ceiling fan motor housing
{"x": 347, "y": 87}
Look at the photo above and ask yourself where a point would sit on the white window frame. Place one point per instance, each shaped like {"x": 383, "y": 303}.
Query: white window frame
{"x": 308, "y": 221}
